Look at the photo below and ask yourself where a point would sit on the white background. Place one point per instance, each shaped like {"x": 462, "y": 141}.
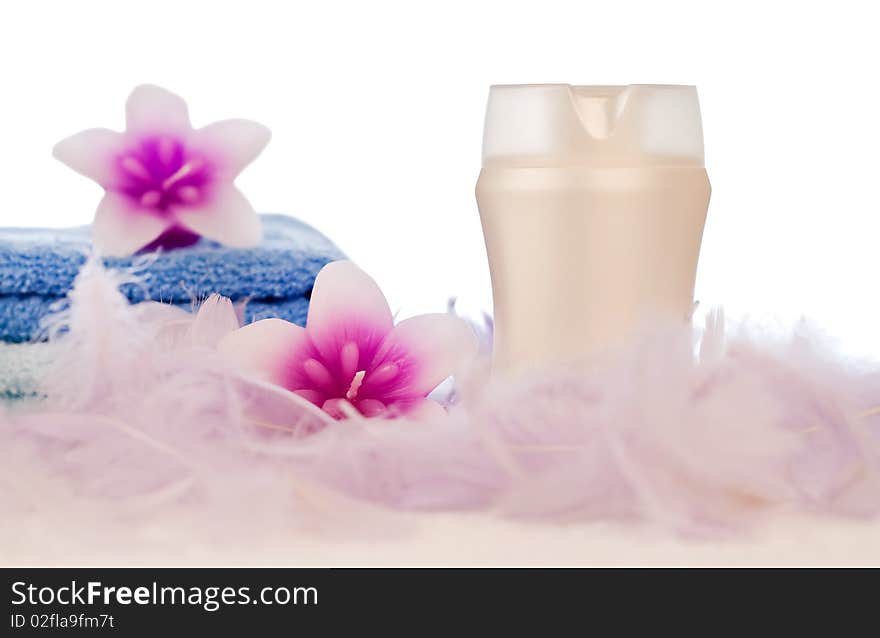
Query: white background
{"x": 376, "y": 110}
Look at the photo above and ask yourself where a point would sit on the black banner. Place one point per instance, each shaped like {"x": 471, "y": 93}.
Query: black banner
{"x": 130, "y": 602}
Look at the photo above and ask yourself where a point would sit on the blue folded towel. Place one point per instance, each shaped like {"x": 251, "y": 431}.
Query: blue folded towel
{"x": 38, "y": 266}
{"x": 20, "y": 317}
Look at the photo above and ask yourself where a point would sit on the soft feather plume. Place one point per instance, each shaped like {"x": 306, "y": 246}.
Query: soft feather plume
{"x": 146, "y": 433}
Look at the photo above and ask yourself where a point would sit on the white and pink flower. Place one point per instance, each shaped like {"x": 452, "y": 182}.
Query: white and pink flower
{"x": 351, "y": 358}
{"x": 166, "y": 183}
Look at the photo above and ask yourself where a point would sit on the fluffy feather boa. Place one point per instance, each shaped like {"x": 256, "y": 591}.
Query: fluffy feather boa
{"x": 146, "y": 433}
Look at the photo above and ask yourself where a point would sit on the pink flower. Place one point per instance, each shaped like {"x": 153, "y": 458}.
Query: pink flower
{"x": 351, "y": 352}
{"x": 165, "y": 182}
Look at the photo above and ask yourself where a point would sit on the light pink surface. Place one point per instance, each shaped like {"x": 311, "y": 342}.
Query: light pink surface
{"x": 472, "y": 540}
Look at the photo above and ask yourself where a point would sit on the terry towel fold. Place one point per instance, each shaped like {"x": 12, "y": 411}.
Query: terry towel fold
{"x": 22, "y": 368}
{"x": 38, "y": 266}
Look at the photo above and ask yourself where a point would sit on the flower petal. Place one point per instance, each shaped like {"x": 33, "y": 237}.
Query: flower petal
{"x": 264, "y": 348}
{"x": 434, "y": 347}
{"x": 152, "y": 109}
{"x": 91, "y": 153}
{"x": 347, "y": 307}
{"x": 226, "y": 216}
{"x": 121, "y": 228}
{"x": 232, "y": 144}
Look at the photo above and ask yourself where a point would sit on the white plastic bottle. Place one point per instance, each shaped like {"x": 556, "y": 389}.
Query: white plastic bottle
{"x": 593, "y": 201}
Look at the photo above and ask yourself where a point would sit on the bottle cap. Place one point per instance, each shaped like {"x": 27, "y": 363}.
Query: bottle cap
{"x": 600, "y": 126}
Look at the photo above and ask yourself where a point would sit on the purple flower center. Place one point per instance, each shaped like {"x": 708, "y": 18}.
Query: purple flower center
{"x": 160, "y": 172}
{"x": 371, "y": 382}
{"x": 174, "y": 237}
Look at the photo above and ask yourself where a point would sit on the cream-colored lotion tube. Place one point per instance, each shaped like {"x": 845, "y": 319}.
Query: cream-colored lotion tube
{"x": 593, "y": 201}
